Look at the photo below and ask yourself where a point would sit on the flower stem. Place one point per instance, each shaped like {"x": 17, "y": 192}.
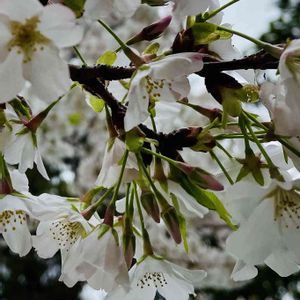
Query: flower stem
{"x": 80, "y": 56}
{"x": 214, "y": 156}
{"x": 215, "y": 12}
{"x": 245, "y": 36}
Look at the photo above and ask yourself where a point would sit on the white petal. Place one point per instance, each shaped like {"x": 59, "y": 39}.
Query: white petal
{"x": 176, "y": 65}
{"x": 137, "y": 110}
{"x": 98, "y": 8}
{"x": 48, "y": 74}
{"x": 242, "y": 271}
{"x": 19, "y": 181}
{"x": 40, "y": 165}
{"x": 283, "y": 262}
{"x": 11, "y": 78}
{"x": 126, "y": 7}
{"x": 256, "y": 238}
{"x": 18, "y": 238}
{"x": 43, "y": 241}
{"x": 58, "y": 24}
{"x": 20, "y": 10}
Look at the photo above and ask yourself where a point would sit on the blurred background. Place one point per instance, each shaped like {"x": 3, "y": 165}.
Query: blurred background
{"x": 73, "y": 148}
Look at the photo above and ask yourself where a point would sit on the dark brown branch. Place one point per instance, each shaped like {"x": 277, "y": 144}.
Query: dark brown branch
{"x": 259, "y": 61}
{"x": 104, "y": 72}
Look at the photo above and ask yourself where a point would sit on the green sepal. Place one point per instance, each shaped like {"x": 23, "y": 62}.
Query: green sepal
{"x": 77, "y": 6}
{"x": 152, "y": 49}
{"x": 107, "y": 58}
{"x": 134, "y": 140}
{"x": 205, "y": 33}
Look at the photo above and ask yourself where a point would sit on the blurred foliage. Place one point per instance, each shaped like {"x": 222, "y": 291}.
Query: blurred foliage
{"x": 287, "y": 25}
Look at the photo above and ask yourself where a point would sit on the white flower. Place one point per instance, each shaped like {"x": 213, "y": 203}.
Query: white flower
{"x": 31, "y": 35}
{"x": 111, "y": 166}
{"x": 60, "y": 225}
{"x": 289, "y": 64}
{"x": 99, "y": 260}
{"x": 13, "y": 215}
{"x": 269, "y": 219}
{"x": 22, "y": 149}
{"x": 164, "y": 80}
{"x": 281, "y": 99}
{"x": 98, "y": 9}
{"x": 157, "y": 275}
{"x": 184, "y": 8}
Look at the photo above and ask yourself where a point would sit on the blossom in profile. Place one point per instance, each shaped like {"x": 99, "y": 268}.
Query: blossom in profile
{"x": 31, "y": 35}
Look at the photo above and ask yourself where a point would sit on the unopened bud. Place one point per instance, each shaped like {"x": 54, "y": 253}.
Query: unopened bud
{"x": 150, "y": 205}
{"x": 128, "y": 243}
{"x": 151, "y": 32}
{"x": 5, "y": 186}
{"x": 200, "y": 177}
{"x": 170, "y": 218}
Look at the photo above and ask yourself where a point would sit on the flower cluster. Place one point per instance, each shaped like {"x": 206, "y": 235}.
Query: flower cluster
{"x": 170, "y": 155}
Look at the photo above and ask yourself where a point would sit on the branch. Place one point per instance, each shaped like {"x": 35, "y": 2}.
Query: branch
{"x": 259, "y": 61}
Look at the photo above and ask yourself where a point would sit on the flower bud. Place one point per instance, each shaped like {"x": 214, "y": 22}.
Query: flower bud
{"x": 200, "y": 176}
{"x": 170, "y": 218}
{"x": 128, "y": 242}
{"x": 151, "y": 32}
{"x": 150, "y": 205}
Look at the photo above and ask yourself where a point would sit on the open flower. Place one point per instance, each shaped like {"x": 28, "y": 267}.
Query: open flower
{"x": 60, "y": 225}
{"x": 102, "y": 8}
{"x": 165, "y": 80}
{"x": 269, "y": 219}
{"x": 98, "y": 259}
{"x": 157, "y": 275}
{"x": 14, "y": 211}
{"x": 31, "y": 35}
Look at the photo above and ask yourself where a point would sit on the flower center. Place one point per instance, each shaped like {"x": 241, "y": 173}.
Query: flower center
{"x": 287, "y": 207}
{"x": 154, "y": 87}
{"x": 26, "y": 37}
{"x": 9, "y": 219}
{"x": 65, "y": 233}
{"x": 154, "y": 279}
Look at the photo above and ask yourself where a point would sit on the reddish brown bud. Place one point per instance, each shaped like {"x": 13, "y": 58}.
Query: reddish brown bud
{"x": 170, "y": 218}
{"x": 150, "y": 205}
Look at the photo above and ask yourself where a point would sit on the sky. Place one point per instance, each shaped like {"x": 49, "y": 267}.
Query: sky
{"x": 251, "y": 17}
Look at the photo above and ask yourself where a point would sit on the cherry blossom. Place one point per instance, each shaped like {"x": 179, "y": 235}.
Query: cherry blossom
{"x": 269, "y": 226}
{"x": 164, "y": 80}
{"x": 158, "y": 275}
{"x": 31, "y": 36}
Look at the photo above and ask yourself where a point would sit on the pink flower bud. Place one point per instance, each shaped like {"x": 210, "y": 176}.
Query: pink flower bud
{"x": 170, "y": 218}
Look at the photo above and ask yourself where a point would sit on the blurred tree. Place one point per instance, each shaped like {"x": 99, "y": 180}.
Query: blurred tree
{"x": 287, "y": 25}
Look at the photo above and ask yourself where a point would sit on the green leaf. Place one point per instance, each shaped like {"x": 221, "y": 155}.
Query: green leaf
{"x": 75, "y": 119}
{"x": 134, "y": 139}
{"x": 107, "y": 58}
{"x": 96, "y": 103}
{"x": 207, "y": 199}
{"x": 76, "y": 5}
